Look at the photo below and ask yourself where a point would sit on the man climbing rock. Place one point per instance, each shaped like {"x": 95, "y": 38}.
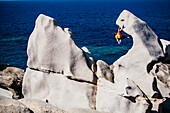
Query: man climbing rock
{"x": 119, "y": 35}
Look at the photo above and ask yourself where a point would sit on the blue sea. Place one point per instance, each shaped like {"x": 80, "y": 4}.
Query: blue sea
{"x": 92, "y": 23}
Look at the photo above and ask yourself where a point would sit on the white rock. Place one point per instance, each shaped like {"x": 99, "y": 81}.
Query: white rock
{"x": 139, "y": 60}
{"x": 52, "y": 49}
{"x": 104, "y": 71}
{"x": 58, "y": 90}
{"x": 108, "y": 99}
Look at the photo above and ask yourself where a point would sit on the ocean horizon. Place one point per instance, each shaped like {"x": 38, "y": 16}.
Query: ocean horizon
{"x": 92, "y": 23}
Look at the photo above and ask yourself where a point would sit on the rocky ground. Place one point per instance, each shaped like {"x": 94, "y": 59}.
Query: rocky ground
{"x": 63, "y": 78}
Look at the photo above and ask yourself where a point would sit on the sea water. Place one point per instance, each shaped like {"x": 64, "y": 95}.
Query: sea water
{"x": 92, "y": 23}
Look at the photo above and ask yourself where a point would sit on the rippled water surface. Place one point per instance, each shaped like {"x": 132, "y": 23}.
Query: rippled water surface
{"x": 92, "y": 24}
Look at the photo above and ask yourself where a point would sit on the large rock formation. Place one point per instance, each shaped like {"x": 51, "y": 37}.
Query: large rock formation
{"x": 63, "y": 75}
{"x": 52, "y": 49}
{"x": 58, "y": 70}
{"x": 140, "y": 59}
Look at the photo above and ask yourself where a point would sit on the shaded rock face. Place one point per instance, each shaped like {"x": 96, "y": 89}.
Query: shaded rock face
{"x": 11, "y": 79}
{"x": 166, "y": 49}
{"x": 58, "y": 90}
{"x": 104, "y": 71}
{"x": 8, "y": 105}
{"x": 52, "y": 49}
{"x": 140, "y": 59}
{"x": 162, "y": 73}
{"x": 164, "y": 107}
{"x": 90, "y": 60}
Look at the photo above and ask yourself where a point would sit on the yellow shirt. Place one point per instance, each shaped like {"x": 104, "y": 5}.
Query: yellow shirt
{"x": 117, "y": 36}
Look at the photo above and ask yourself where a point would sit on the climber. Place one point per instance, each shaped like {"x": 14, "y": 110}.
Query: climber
{"x": 119, "y": 35}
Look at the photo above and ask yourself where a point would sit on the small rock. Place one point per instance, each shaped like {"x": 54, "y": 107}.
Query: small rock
{"x": 11, "y": 79}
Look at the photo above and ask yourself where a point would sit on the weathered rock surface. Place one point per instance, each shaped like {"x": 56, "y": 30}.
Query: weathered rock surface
{"x": 52, "y": 49}
{"x": 108, "y": 99}
{"x": 140, "y": 59}
{"x": 6, "y": 93}
{"x": 38, "y": 106}
{"x": 104, "y": 71}
{"x": 11, "y": 79}
{"x": 58, "y": 70}
{"x": 8, "y": 105}
{"x": 58, "y": 90}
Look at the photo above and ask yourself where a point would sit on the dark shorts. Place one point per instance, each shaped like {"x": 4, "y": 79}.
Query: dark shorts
{"x": 123, "y": 37}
